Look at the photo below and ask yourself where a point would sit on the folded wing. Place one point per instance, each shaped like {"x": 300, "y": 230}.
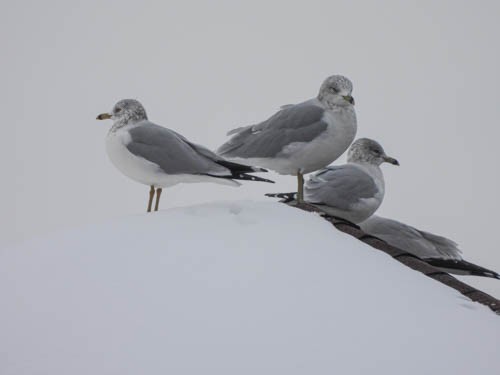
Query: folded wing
{"x": 296, "y": 123}
{"x": 340, "y": 187}
{"x": 419, "y": 243}
{"x": 170, "y": 151}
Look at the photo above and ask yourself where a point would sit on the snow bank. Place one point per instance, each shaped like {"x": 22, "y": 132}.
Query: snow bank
{"x": 230, "y": 288}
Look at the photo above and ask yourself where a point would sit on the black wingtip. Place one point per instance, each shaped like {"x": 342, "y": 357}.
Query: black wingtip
{"x": 243, "y": 176}
{"x": 493, "y": 275}
{"x": 287, "y": 197}
{"x": 249, "y": 177}
{"x": 237, "y": 168}
{"x": 462, "y": 266}
{"x": 260, "y": 179}
{"x": 258, "y": 169}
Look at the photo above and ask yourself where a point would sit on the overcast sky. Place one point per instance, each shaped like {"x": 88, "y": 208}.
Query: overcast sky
{"x": 425, "y": 77}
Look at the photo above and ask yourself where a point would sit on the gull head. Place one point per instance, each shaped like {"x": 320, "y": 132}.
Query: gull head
{"x": 336, "y": 92}
{"x": 366, "y": 150}
{"x": 126, "y": 111}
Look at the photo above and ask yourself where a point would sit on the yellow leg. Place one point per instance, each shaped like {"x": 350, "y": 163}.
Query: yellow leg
{"x": 151, "y": 196}
{"x": 158, "y": 194}
{"x": 300, "y": 187}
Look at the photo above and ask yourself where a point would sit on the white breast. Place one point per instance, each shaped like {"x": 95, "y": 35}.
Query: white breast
{"x": 329, "y": 146}
{"x": 138, "y": 169}
{"x": 144, "y": 171}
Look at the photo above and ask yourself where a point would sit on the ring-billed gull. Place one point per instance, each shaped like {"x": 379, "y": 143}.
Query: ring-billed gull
{"x": 300, "y": 138}
{"x": 352, "y": 191}
{"x": 159, "y": 157}
{"x": 438, "y": 251}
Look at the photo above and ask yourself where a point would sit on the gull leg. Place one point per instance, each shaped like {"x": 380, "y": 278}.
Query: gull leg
{"x": 300, "y": 187}
{"x": 151, "y": 195}
{"x": 158, "y": 194}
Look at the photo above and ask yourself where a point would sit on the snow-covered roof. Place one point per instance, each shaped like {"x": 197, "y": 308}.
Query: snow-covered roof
{"x": 230, "y": 288}
{"x": 428, "y": 268}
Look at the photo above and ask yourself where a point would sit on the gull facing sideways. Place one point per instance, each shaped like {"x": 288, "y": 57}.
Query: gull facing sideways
{"x": 438, "y": 251}
{"x": 160, "y": 157}
{"x": 300, "y": 138}
{"x": 352, "y": 191}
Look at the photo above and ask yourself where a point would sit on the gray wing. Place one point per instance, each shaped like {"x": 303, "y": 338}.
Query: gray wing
{"x": 340, "y": 186}
{"x": 419, "y": 243}
{"x": 172, "y": 152}
{"x": 295, "y": 123}
{"x": 202, "y": 150}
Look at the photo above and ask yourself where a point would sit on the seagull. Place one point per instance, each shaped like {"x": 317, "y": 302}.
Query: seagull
{"x": 438, "y": 251}
{"x": 352, "y": 191}
{"x": 300, "y": 138}
{"x": 160, "y": 157}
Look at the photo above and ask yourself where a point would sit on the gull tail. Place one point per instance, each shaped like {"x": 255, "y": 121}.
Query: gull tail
{"x": 249, "y": 177}
{"x": 462, "y": 267}
{"x": 241, "y": 171}
{"x": 236, "y": 167}
{"x": 286, "y": 197}
{"x": 240, "y": 176}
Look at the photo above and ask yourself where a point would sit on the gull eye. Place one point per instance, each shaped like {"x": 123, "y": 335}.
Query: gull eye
{"x": 334, "y": 90}
{"x": 118, "y": 110}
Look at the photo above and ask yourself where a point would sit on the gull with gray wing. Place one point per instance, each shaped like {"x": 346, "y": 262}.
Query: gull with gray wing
{"x": 352, "y": 191}
{"x": 160, "y": 157}
{"x": 438, "y": 251}
{"x": 300, "y": 138}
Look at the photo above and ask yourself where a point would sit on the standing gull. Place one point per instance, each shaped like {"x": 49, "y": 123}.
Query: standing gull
{"x": 352, "y": 191}
{"x": 438, "y": 251}
{"x": 300, "y": 138}
{"x": 159, "y": 157}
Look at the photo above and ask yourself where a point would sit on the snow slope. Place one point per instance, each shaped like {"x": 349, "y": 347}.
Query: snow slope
{"x": 230, "y": 288}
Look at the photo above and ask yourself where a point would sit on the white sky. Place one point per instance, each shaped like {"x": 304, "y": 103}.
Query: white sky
{"x": 425, "y": 83}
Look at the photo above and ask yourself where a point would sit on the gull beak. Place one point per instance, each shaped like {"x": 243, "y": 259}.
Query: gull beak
{"x": 103, "y": 116}
{"x": 349, "y": 99}
{"x": 390, "y": 160}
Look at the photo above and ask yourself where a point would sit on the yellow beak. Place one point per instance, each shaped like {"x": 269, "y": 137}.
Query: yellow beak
{"x": 349, "y": 98}
{"x": 103, "y": 116}
{"x": 393, "y": 161}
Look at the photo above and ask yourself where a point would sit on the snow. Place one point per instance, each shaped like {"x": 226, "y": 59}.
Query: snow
{"x": 230, "y": 288}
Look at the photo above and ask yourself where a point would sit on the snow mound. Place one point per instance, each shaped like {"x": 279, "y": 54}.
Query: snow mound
{"x": 230, "y": 288}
